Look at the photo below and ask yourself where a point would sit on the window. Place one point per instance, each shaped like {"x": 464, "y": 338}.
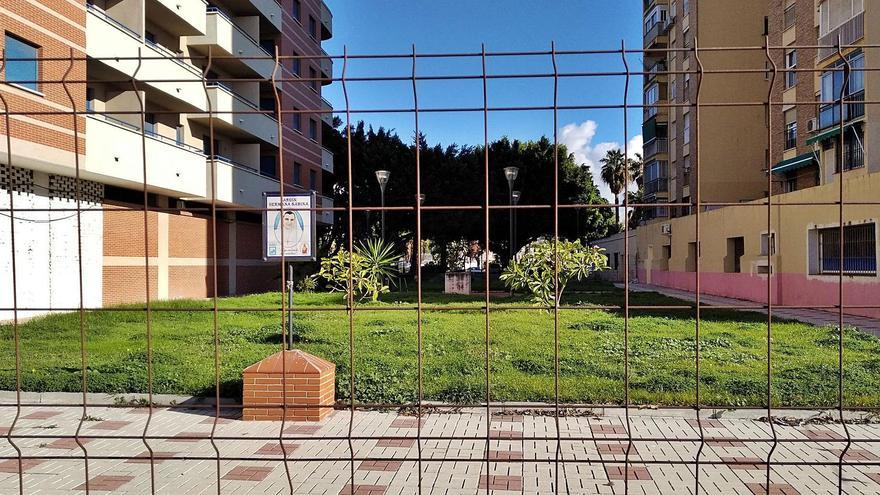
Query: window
{"x": 313, "y": 130}
{"x": 687, "y": 86}
{"x": 686, "y": 7}
{"x": 179, "y": 137}
{"x": 656, "y": 17}
{"x": 313, "y": 180}
{"x": 832, "y": 87}
{"x": 150, "y": 124}
{"x": 853, "y": 150}
{"x": 687, "y": 128}
{"x": 313, "y": 27}
{"x": 789, "y": 185}
{"x": 297, "y": 65}
{"x": 268, "y": 166}
{"x": 297, "y": 121}
{"x": 673, "y": 10}
{"x": 686, "y": 166}
{"x": 835, "y": 13}
{"x": 313, "y": 75}
{"x": 790, "y": 16}
{"x": 736, "y": 248}
{"x": 790, "y": 65}
{"x": 652, "y": 95}
{"x": 23, "y": 72}
{"x": 90, "y": 99}
{"x": 791, "y": 135}
{"x": 617, "y": 261}
{"x": 297, "y": 173}
{"x": 768, "y": 244}
{"x": 859, "y": 250}
{"x": 673, "y": 91}
{"x": 297, "y": 10}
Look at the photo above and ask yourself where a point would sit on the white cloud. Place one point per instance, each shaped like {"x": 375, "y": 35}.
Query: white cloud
{"x": 578, "y": 138}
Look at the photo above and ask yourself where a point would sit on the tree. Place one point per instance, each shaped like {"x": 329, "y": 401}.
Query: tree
{"x": 536, "y": 270}
{"x": 614, "y": 170}
{"x": 636, "y": 169}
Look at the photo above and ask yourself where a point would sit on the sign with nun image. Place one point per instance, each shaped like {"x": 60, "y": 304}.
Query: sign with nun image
{"x": 289, "y": 227}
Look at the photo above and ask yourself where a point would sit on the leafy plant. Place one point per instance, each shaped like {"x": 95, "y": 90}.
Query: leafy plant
{"x": 371, "y": 267}
{"x": 306, "y": 285}
{"x": 535, "y": 270}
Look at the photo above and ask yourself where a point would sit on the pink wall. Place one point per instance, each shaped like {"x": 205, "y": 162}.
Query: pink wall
{"x": 789, "y": 289}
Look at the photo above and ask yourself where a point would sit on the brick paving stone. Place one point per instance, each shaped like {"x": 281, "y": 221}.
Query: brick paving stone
{"x": 822, "y": 434}
{"x": 407, "y": 422}
{"x": 105, "y": 483}
{"x": 144, "y": 457}
{"x": 211, "y": 419}
{"x": 775, "y": 489}
{"x": 190, "y": 436}
{"x": 637, "y": 473}
{"x": 396, "y": 442}
{"x": 501, "y": 482}
{"x": 387, "y": 466}
{"x": 67, "y": 443}
{"x": 11, "y": 465}
{"x": 302, "y": 430}
{"x": 41, "y": 415}
{"x": 505, "y": 434}
{"x": 616, "y": 449}
{"x": 855, "y": 455}
{"x": 110, "y": 425}
{"x": 508, "y": 418}
{"x": 4, "y": 430}
{"x": 363, "y": 490}
{"x": 608, "y": 430}
{"x": 505, "y": 455}
{"x": 274, "y": 449}
{"x": 875, "y": 477}
{"x": 740, "y": 463}
{"x": 724, "y": 442}
{"x": 248, "y": 473}
{"x": 707, "y": 423}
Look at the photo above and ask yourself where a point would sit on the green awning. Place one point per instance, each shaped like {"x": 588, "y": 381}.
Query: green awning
{"x": 830, "y": 132}
{"x": 795, "y": 163}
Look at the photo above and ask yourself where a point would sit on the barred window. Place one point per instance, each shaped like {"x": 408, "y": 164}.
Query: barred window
{"x": 859, "y": 250}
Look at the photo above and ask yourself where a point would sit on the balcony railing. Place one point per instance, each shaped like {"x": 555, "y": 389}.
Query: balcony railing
{"x": 249, "y": 103}
{"x": 655, "y": 31}
{"x": 656, "y": 69}
{"x": 656, "y": 146}
{"x": 829, "y": 115}
{"x": 148, "y": 133}
{"x": 657, "y": 186}
{"x": 849, "y": 32}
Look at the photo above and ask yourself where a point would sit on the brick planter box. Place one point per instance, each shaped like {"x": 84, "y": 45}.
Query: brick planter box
{"x": 311, "y": 382}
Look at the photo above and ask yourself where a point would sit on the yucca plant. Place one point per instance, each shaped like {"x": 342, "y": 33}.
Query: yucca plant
{"x": 372, "y": 268}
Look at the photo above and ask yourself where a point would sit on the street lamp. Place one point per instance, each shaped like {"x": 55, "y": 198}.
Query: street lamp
{"x": 510, "y": 173}
{"x": 515, "y": 195}
{"x": 382, "y": 176}
{"x": 421, "y": 200}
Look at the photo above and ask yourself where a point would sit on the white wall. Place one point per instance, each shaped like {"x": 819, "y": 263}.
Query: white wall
{"x": 47, "y": 271}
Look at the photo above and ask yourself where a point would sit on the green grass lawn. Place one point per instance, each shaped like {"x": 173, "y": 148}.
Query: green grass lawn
{"x": 521, "y": 351}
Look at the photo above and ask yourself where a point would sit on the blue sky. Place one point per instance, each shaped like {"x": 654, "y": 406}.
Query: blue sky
{"x": 392, "y": 26}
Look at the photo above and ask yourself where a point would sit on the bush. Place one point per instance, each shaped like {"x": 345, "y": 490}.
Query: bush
{"x": 371, "y": 267}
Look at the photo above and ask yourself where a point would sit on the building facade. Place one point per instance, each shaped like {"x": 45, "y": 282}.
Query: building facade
{"x": 800, "y": 243}
{"x": 194, "y": 119}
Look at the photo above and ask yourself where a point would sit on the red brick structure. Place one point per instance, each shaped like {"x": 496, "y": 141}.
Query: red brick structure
{"x": 310, "y": 381}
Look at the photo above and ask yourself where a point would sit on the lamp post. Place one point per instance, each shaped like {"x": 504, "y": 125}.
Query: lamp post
{"x": 510, "y": 173}
{"x": 382, "y": 176}
{"x": 515, "y": 195}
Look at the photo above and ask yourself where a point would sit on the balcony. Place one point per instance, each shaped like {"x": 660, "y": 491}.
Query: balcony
{"x": 237, "y": 183}
{"x": 161, "y": 69}
{"x": 653, "y": 34}
{"x": 326, "y": 160}
{"x": 326, "y": 112}
{"x": 659, "y": 185}
{"x": 235, "y": 114}
{"x": 325, "y": 216}
{"x": 271, "y": 10}
{"x": 172, "y": 168}
{"x": 176, "y": 17}
{"x": 851, "y": 31}
{"x": 225, "y": 38}
{"x": 829, "y": 115}
{"x": 326, "y": 68}
{"x": 326, "y": 22}
{"x": 659, "y": 68}
{"x": 655, "y": 147}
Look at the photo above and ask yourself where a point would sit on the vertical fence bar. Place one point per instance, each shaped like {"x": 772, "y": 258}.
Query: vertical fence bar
{"x": 16, "y": 341}
{"x": 81, "y": 308}
{"x": 488, "y": 251}
{"x": 558, "y": 450}
{"x": 626, "y": 174}
{"x": 847, "y": 71}
{"x": 699, "y": 200}
{"x": 148, "y": 308}
{"x": 770, "y": 248}
{"x": 418, "y": 248}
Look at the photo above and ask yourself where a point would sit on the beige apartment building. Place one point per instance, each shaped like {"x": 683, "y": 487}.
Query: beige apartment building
{"x": 185, "y": 167}
{"x": 800, "y": 247}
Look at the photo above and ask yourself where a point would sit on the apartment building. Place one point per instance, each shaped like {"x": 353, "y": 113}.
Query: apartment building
{"x": 810, "y": 163}
{"x": 671, "y": 29}
{"x": 154, "y": 124}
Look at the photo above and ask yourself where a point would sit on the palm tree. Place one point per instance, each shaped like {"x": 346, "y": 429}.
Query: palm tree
{"x": 614, "y": 171}
{"x": 636, "y": 169}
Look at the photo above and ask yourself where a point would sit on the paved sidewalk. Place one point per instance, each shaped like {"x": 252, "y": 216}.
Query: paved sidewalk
{"x": 811, "y": 316}
{"x": 522, "y": 453}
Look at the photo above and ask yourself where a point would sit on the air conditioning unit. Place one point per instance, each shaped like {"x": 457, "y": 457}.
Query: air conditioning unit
{"x": 666, "y": 229}
{"x": 812, "y": 125}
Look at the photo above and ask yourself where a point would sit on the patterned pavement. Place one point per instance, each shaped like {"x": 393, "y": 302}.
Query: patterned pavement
{"x": 521, "y": 453}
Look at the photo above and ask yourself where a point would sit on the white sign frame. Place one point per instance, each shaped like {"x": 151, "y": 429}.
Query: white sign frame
{"x": 302, "y": 205}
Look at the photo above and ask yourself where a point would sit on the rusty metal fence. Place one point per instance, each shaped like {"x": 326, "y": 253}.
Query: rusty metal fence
{"x": 557, "y": 408}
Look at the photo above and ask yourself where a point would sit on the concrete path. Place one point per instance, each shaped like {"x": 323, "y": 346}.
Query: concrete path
{"x": 810, "y": 316}
{"x": 522, "y": 453}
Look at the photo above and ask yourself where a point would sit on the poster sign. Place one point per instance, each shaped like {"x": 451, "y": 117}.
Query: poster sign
{"x": 289, "y": 228}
